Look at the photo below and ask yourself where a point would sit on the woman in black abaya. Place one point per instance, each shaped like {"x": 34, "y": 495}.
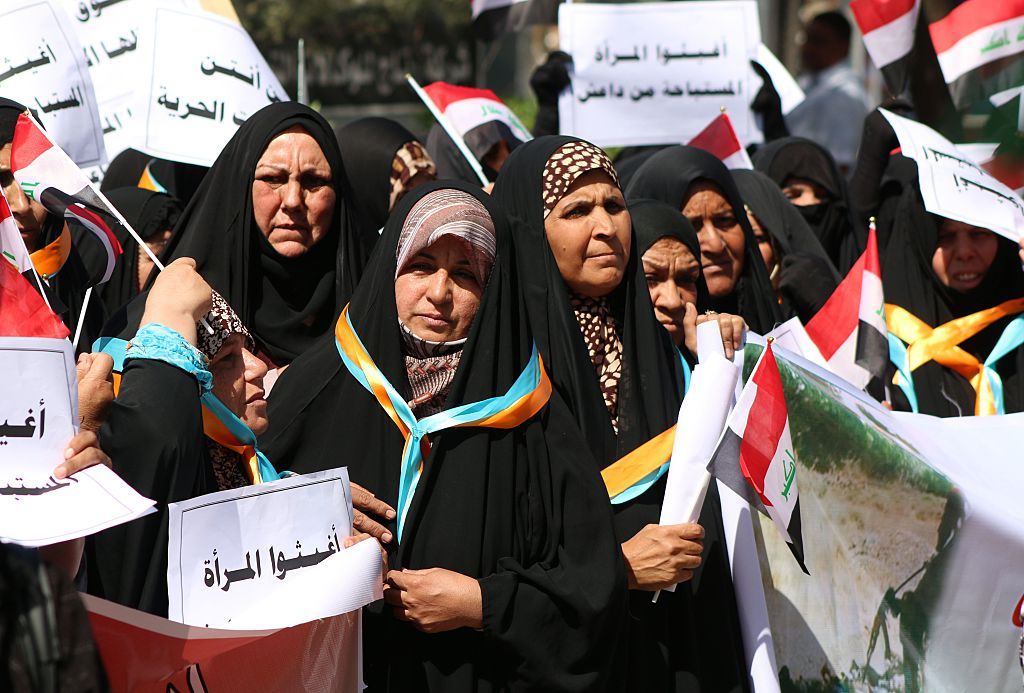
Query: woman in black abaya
{"x": 616, "y": 367}
{"x": 511, "y": 522}
{"x": 810, "y": 179}
{"x": 699, "y": 185}
{"x": 384, "y": 162}
{"x": 939, "y": 270}
{"x": 272, "y": 229}
{"x": 800, "y": 271}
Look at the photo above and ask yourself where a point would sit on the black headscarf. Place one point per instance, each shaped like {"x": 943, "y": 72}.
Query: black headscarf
{"x": 667, "y": 176}
{"x": 148, "y": 213}
{"x": 521, "y": 510}
{"x": 807, "y": 276}
{"x": 286, "y": 302}
{"x": 831, "y": 220}
{"x": 368, "y": 146}
{"x": 690, "y": 640}
{"x": 909, "y": 282}
{"x": 179, "y": 180}
{"x": 654, "y": 220}
{"x": 480, "y": 140}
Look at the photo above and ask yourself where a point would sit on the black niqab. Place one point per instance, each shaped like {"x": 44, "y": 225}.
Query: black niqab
{"x": 285, "y": 302}
{"x": 690, "y": 639}
{"x": 909, "y": 282}
{"x": 831, "y": 220}
{"x": 521, "y": 510}
{"x": 667, "y": 176}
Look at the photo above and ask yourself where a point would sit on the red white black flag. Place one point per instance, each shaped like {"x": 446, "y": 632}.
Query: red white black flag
{"x": 976, "y": 45}
{"x": 756, "y": 457}
{"x": 719, "y": 138}
{"x": 850, "y": 330}
{"x": 888, "y": 27}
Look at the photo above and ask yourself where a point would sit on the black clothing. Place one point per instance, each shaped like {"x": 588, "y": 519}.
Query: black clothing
{"x": 285, "y": 302}
{"x": 179, "y": 180}
{"x": 521, "y": 510}
{"x": 654, "y": 220}
{"x": 667, "y": 176}
{"x": 452, "y": 165}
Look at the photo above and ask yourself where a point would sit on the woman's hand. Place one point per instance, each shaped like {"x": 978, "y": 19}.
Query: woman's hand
{"x": 660, "y": 556}
{"x": 83, "y": 451}
{"x": 365, "y": 505}
{"x": 95, "y": 389}
{"x": 179, "y": 299}
{"x": 435, "y": 600}
{"x": 733, "y": 328}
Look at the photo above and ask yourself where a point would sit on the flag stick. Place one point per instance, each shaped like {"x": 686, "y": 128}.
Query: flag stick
{"x": 446, "y": 124}
{"x": 300, "y": 77}
{"x": 81, "y": 318}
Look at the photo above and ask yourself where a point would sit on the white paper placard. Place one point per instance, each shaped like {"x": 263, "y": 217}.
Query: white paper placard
{"x": 38, "y": 412}
{"x": 115, "y": 47}
{"x": 269, "y": 556}
{"x": 953, "y": 185}
{"x": 42, "y": 66}
{"x": 658, "y": 73}
{"x": 205, "y": 78}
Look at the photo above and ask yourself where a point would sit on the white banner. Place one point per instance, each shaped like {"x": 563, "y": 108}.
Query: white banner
{"x": 953, "y": 185}
{"x": 269, "y": 556}
{"x": 39, "y": 411}
{"x": 116, "y": 48}
{"x": 657, "y": 73}
{"x": 206, "y": 78}
{"x": 42, "y": 66}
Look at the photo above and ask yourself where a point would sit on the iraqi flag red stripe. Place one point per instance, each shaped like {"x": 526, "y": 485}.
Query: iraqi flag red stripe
{"x": 765, "y": 425}
{"x": 835, "y": 322}
{"x": 444, "y": 94}
{"x": 874, "y": 14}
{"x": 969, "y": 17}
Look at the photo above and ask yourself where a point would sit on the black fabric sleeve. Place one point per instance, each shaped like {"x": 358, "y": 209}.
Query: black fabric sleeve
{"x": 154, "y": 437}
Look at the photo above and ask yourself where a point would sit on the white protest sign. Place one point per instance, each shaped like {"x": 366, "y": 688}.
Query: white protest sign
{"x": 205, "y": 78}
{"x": 954, "y": 186}
{"x": 115, "y": 49}
{"x": 42, "y": 66}
{"x": 39, "y": 409}
{"x": 269, "y": 556}
{"x": 657, "y": 73}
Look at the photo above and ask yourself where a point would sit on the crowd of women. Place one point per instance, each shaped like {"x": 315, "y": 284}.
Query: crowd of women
{"x": 477, "y": 359}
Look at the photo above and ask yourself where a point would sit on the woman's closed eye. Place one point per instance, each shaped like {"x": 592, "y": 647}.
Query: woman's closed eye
{"x": 724, "y": 221}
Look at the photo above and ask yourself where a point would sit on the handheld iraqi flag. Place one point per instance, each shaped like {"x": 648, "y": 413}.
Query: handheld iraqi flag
{"x": 468, "y": 108}
{"x": 850, "y": 330}
{"x": 719, "y": 138}
{"x": 756, "y": 457}
{"x": 23, "y": 310}
{"x": 492, "y": 18}
{"x": 888, "y": 27}
{"x": 976, "y": 44}
{"x": 48, "y": 175}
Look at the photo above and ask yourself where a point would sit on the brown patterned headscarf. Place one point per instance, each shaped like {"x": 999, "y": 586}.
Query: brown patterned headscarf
{"x": 225, "y": 322}
{"x": 569, "y": 163}
{"x": 411, "y": 160}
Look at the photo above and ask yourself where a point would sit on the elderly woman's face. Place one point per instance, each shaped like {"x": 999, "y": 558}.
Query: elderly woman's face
{"x": 590, "y": 235}
{"x": 672, "y": 273}
{"x": 238, "y": 382}
{"x": 436, "y": 293}
{"x": 963, "y": 255}
{"x": 292, "y": 193}
{"x": 721, "y": 237}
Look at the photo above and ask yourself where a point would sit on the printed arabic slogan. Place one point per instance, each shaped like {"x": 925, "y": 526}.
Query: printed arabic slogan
{"x": 43, "y": 67}
{"x": 201, "y": 87}
{"x": 657, "y": 68}
{"x": 903, "y": 593}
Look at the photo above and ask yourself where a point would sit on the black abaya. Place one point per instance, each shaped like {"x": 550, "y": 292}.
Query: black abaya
{"x": 285, "y": 302}
{"x": 690, "y": 639}
{"x": 520, "y": 510}
{"x": 667, "y": 176}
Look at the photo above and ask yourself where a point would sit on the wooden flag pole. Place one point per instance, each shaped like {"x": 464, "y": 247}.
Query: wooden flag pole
{"x": 446, "y": 124}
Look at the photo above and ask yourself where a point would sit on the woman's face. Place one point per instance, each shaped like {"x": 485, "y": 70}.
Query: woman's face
{"x": 436, "y": 293}
{"x": 292, "y": 193}
{"x": 764, "y": 242}
{"x": 590, "y": 235}
{"x": 963, "y": 254}
{"x": 238, "y": 382}
{"x": 802, "y": 192}
{"x": 672, "y": 273}
{"x": 721, "y": 237}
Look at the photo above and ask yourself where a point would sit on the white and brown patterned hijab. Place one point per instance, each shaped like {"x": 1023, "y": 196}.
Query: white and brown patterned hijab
{"x": 569, "y": 163}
